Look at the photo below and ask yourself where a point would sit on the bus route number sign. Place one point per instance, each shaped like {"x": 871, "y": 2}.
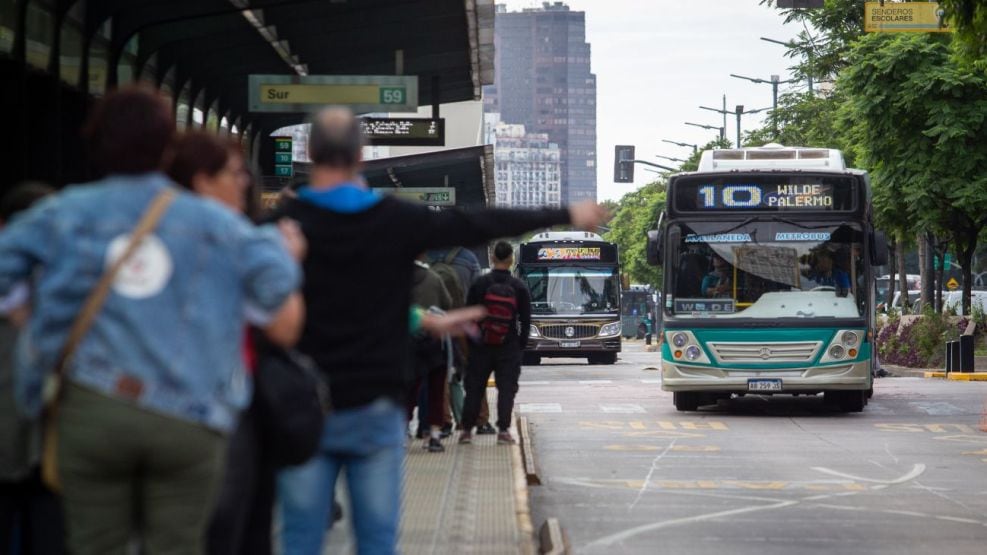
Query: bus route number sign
{"x": 740, "y": 196}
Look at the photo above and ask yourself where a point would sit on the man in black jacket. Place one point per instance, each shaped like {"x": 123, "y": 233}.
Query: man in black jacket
{"x": 496, "y": 351}
{"x": 357, "y": 275}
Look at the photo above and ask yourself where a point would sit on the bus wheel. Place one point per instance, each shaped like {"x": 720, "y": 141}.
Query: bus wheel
{"x": 847, "y": 401}
{"x": 530, "y": 360}
{"x": 686, "y": 401}
{"x": 602, "y": 358}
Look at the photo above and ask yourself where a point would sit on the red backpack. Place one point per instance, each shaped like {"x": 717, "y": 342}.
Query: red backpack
{"x": 500, "y": 300}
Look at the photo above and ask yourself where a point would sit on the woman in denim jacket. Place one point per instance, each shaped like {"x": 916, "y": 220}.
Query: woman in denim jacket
{"x": 158, "y": 380}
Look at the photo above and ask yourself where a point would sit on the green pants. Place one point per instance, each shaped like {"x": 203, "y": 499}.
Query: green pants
{"x": 127, "y": 473}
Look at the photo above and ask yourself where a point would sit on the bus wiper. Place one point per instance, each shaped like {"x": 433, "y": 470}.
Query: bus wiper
{"x": 804, "y": 226}
{"x": 738, "y": 226}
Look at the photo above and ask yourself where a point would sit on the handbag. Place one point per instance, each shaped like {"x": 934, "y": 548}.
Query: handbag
{"x": 292, "y": 399}
{"x": 84, "y": 320}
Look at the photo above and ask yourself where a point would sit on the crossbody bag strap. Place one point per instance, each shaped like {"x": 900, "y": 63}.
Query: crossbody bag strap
{"x": 94, "y": 302}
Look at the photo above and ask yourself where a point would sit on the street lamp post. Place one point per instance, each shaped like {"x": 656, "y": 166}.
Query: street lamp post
{"x": 791, "y": 46}
{"x": 695, "y": 148}
{"x": 679, "y": 160}
{"x": 774, "y": 82}
{"x": 721, "y": 130}
{"x": 740, "y": 112}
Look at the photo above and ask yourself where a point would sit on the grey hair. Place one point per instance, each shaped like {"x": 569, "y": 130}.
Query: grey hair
{"x": 336, "y": 138}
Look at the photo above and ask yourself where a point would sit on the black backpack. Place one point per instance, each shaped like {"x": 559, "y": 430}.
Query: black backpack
{"x": 500, "y": 300}
{"x": 292, "y": 397}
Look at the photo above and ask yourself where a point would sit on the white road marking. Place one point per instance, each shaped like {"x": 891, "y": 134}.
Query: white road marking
{"x": 915, "y": 472}
{"x": 625, "y": 408}
{"x": 534, "y": 382}
{"x": 651, "y": 381}
{"x": 540, "y": 407}
{"x": 594, "y": 382}
{"x": 651, "y": 471}
{"x": 626, "y": 534}
{"x": 938, "y": 409}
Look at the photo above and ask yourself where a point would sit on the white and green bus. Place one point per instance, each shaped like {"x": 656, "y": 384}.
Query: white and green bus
{"x": 769, "y": 255}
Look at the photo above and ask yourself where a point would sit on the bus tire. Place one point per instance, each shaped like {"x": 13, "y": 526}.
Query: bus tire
{"x": 686, "y": 401}
{"x": 530, "y": 360}
{"x": 847, "y": 401}
{"x": 602, "y": 358}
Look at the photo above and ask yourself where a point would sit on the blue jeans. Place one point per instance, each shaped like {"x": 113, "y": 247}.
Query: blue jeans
{"x": 368, "y": 442}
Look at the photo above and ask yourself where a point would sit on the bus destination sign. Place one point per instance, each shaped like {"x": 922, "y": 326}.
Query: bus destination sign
{"x": 742, "y": 195}
{"x": 404, "y": 131}
{"x": 732, "y": 194}
{"x": 569, "y": 253}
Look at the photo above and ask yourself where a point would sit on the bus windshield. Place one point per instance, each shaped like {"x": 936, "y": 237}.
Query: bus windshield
{"x": 768, "y": 269}
{"x": 572, "y": 289}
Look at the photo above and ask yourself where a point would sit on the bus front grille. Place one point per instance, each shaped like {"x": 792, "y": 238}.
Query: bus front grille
{"x": 578, "y": 331}
{"x": 800, "y": 351}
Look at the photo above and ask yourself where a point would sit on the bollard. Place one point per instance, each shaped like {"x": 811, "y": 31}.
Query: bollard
{"x": 965, "y": 353}
{"x": 952, "y": 356}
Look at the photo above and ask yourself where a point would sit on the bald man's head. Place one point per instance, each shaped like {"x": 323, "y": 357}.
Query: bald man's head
{"x": 336, "y": 139}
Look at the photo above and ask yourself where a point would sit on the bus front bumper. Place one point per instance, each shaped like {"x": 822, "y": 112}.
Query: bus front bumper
{"x": 816, "y": 379}
{"x": 561, "y": 348}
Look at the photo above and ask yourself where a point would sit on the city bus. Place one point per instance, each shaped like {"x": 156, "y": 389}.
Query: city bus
{"x": 574, "y": 279}
{"x": 769, "y": 255}
{"x": 636, "y": 302}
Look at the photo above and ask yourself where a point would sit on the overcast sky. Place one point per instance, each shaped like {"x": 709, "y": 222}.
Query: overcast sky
{"x": 656, "y": 61}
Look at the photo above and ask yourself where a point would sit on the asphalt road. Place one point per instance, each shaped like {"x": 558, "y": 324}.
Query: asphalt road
{"x": 626, "y": 473}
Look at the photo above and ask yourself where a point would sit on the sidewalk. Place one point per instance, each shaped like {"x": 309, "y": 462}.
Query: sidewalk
{"x": 904, "y": 372}
{"x": 469, "y": 499}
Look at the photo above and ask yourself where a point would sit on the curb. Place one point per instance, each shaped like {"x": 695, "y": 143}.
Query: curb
{"x": 552, "y": 538}
{"x": 527, "y": 452}
{"x": 522, "y": 504}
{"x": 958, "y": 376}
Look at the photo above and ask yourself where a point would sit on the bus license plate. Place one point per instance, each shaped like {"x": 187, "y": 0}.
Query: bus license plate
{"x": 569, "y": 344}
{"x": 764, "y": 385}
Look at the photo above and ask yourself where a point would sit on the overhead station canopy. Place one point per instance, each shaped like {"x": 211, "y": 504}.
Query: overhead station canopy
{"x": 202, "y": 51}
{"x": 218, "y": 43}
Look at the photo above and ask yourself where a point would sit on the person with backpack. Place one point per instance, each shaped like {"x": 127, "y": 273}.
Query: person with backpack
{"x": 458, "y": 268}
{"x": 503, "y": 336}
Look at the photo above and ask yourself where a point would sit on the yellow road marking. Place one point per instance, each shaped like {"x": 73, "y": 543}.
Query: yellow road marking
{"x": 919, "y": 428}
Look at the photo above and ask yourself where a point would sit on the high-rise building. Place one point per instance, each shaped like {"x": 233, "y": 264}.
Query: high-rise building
{"x": 527, "y": 167}
{"x": 544, "y": 82}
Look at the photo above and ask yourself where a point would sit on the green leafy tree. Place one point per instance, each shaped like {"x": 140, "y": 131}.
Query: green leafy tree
{"x": 969, "y": 19}
{"x": 637, "y": 213}
{"x": 827, "y": 34}
{"x": 918, "y": 120}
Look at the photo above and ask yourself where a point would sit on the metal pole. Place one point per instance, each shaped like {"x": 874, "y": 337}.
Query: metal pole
{"x": 740, "y": 112}
{"x": 774, "y": 91}
{"x": 723, "y": 134}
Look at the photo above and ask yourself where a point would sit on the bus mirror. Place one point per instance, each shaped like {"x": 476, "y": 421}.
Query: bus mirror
{"x": 879, "y": 249}
{"x": 654, "y": 247}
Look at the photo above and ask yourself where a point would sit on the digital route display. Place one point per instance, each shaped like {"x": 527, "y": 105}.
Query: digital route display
{"x": 404, "y": 131}
{"x": 805, "y": 194}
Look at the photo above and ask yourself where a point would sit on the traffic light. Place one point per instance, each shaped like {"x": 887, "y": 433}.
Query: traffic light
{"x": 623, "y": 168}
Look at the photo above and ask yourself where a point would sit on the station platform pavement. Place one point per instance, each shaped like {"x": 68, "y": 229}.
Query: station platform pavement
{"x": 469, "y": 499}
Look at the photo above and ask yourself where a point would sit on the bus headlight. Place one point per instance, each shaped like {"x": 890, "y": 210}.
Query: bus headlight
{"x": 850, "y": 338}
{"x": 680, "y": 339}
{"x": 610, "y": 330}
{"x": 693, "y": 352}
{"x": 534, "y": 331}
{"x": 837, "y": 351}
